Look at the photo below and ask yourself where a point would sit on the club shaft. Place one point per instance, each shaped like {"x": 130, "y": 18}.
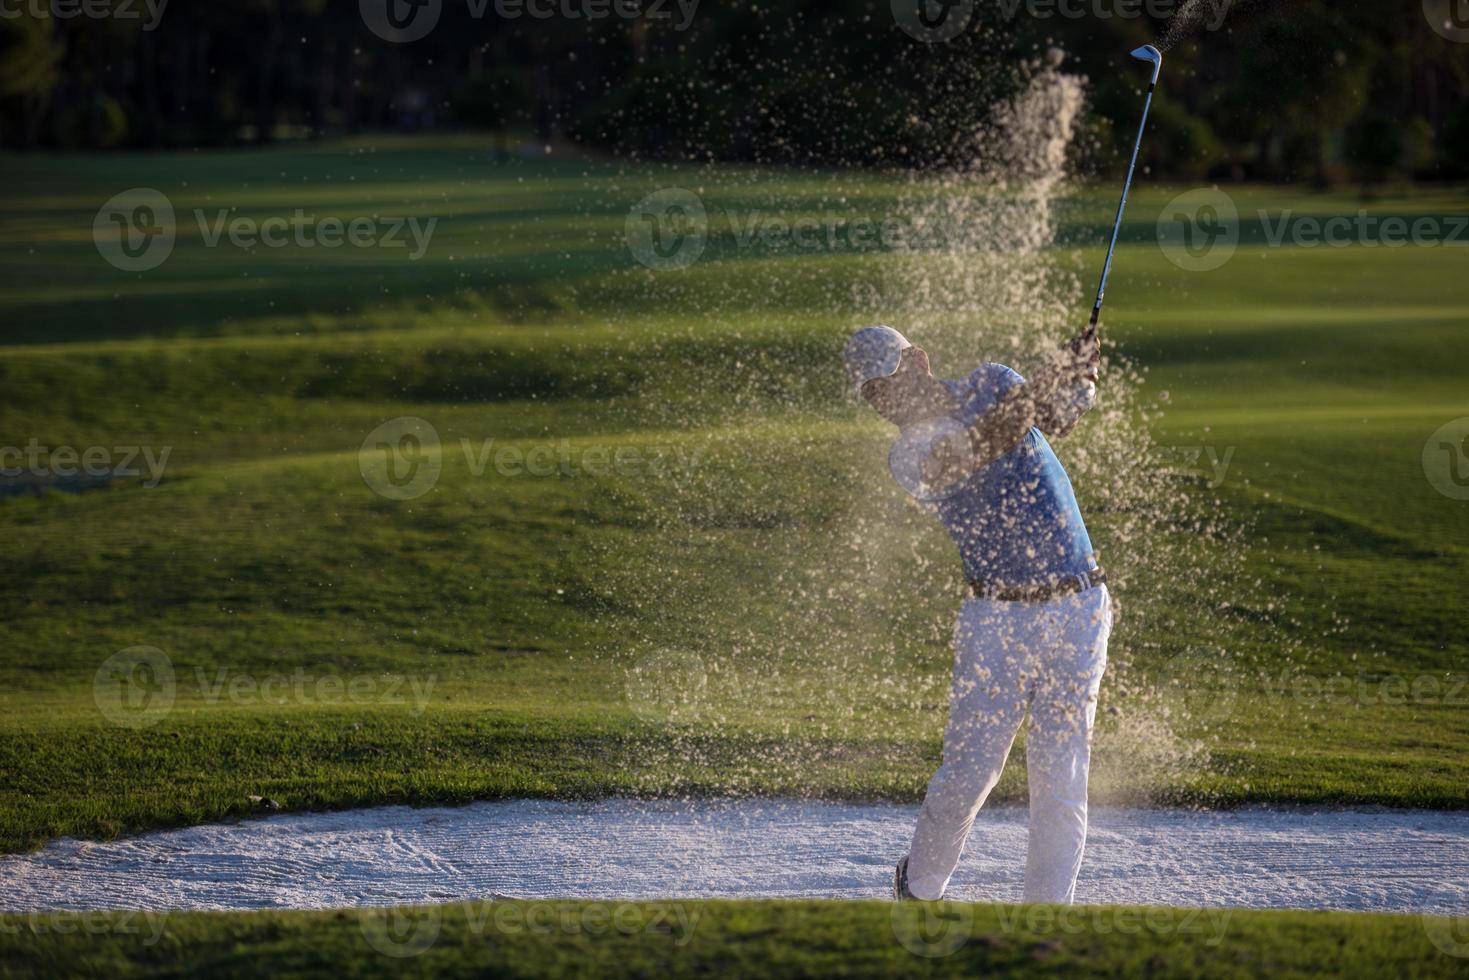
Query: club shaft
{"x": 1121, "y": 206}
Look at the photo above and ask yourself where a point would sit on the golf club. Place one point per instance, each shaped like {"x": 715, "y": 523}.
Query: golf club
{"x": 1150, "y": 54}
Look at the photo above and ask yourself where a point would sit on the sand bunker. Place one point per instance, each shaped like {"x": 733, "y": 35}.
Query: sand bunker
{"x": 1405, "y": 861}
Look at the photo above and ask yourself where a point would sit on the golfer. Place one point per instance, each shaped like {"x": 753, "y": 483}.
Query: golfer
{"x": 1032, "y": 633}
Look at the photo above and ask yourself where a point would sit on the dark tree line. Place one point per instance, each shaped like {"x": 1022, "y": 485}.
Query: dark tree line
{"x": 1292, "y": 89}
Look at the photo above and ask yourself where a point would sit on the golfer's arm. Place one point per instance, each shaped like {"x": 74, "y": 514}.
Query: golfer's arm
{"x": 991, "y": 436}
{"x": 1058, "y": 411}
{"x": 1056, "y": 423}
{"x": 1030, "y": 403}
{"x": 1000, "y": 430}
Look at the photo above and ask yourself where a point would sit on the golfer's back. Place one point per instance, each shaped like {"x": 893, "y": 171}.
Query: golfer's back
{"x": 1015, "y": 520}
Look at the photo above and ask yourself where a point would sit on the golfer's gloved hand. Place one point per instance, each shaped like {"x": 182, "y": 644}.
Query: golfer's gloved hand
{"x": 1085, "y": 350}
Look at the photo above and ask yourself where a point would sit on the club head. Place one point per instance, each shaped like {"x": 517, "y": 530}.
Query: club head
{"x": 1151, "y": 55}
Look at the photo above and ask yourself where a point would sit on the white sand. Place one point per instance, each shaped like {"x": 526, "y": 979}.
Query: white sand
{"x": 1386, "y": 860}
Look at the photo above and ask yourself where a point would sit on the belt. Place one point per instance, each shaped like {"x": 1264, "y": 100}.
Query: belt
{"x": 1055, "y": 589}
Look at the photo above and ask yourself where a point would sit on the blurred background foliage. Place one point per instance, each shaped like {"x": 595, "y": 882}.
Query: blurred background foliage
{"x": 1286, "y": 90}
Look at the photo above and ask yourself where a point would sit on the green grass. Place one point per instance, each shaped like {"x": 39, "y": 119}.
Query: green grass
{"x": 765, "y": 614}
{"x": 774, "y": 938}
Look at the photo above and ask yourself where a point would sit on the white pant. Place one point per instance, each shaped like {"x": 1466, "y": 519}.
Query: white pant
{"x": 1010, "y": 656}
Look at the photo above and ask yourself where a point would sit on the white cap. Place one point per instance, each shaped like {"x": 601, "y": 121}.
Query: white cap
{"x": 873, "y": 352}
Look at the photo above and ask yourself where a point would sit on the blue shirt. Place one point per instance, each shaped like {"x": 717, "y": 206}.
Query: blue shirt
{"x": 1015, "y": 520}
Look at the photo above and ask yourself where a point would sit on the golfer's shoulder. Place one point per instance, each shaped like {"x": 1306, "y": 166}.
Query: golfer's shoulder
{"x": 992, "y": 378}
{"x": 983, "y": 388}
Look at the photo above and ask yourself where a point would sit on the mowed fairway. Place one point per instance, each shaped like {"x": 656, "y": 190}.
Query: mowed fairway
{"x": 671, "y": 592}
{"x": 779, "y": 938}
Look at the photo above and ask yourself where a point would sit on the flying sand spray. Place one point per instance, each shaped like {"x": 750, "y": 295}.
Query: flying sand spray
{"x": 917, "y": 443}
